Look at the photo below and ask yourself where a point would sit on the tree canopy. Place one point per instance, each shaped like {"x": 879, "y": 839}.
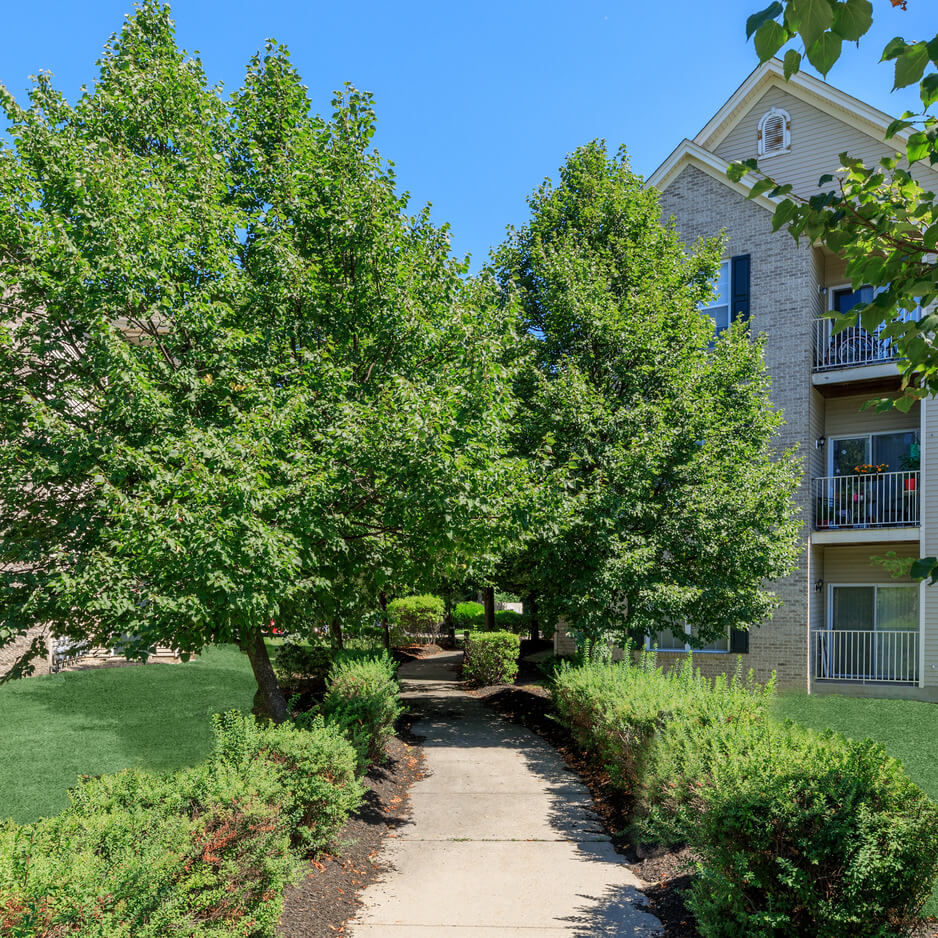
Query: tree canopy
{"x": 678, "y": 508}
{"x": 238, "y": 381}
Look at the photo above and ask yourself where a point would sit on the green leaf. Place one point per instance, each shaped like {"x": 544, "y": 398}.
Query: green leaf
{"x": 852, "y": 19}
{"x": 910, "y": 65}
{"x": 825, "y": 52}
{"x": 770, "y": 37}
{"x": 929, "y": 90}
{"x": 897, "y": 125}
{"x": 893, "y": 49}
{"x": 791, "y": 63}
{"x": 917, "y": 147}
{"x": 783, "y": 214}
{"x": 763, "y": 185}
{"x": 923, "y": 567}
{"x": 813, "y": 18}
{"x": 757, "y": 19}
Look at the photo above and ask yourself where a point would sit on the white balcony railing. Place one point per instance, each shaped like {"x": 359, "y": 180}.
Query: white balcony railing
{"x": 854, "y": 345}
{"x": 871, "y": 500}
{"x": 868, "y": 656}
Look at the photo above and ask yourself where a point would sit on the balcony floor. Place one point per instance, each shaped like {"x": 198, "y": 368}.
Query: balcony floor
{"x": 866, "y": 535}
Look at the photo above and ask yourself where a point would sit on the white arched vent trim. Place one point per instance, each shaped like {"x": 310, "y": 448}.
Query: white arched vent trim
{"x": 774, "y": 132}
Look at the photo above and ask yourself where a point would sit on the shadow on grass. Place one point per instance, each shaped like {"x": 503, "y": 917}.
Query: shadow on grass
{"x": 154, "y": 716}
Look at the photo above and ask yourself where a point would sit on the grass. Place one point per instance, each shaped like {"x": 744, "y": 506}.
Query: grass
{"x": 154, "y": 716}
{"x": 907, "y": 728}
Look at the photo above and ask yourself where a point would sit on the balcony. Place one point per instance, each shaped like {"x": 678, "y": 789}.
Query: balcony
{"x": 854, "y": 347}
{"x": 865, "y": 657}
{"x": 870, "y": 500}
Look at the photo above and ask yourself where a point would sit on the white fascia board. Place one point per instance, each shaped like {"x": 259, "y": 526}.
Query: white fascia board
{"x": 688, "y": 153}
{"x": 813, "y": 91}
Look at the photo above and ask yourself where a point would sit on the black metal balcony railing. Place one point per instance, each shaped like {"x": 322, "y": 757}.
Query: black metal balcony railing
{"x": 870, "y": 500}
{"x": 854, "y": 345}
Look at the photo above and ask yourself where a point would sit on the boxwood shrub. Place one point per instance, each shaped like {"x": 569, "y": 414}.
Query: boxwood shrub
{"x": 796, "y": 832}
{"x": 468, "y": 616}
{"x": 416, "y": 616}
{"x": 491, "y": 657}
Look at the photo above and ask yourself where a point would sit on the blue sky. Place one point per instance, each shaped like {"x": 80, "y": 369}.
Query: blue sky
{"x": 476, "y": 102}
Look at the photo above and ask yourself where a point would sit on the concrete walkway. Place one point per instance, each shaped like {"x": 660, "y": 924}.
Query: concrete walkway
{"x": 502, "y": 840}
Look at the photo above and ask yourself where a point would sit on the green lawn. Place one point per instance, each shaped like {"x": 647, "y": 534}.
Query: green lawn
{"x": 153, "y": 716}
{"x": 907, "y": 728}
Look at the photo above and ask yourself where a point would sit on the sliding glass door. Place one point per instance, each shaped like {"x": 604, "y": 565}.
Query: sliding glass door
{"x": 872, "y": 633}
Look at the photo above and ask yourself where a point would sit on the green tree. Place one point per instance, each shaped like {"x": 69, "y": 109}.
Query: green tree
{"x": 676, "y": 506}
{"x": 879, "y": 218}
{"x": 238, "y": 382}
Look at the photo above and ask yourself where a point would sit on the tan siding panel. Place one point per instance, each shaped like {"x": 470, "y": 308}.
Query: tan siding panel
{"x": 930, "y": 535}
{"x": 854, "y": 564}
{"x": 844, "y": 416}
{"x": 817, "y": 139}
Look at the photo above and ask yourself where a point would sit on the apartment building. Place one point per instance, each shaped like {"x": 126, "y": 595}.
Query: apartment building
{"x": 870, "y": 485}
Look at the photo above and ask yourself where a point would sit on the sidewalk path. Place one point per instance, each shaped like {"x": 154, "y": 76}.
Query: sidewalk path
{"x": 502, "y": 840}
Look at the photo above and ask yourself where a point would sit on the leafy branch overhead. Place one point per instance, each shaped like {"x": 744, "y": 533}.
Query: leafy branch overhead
{"x": 881, "y": 218}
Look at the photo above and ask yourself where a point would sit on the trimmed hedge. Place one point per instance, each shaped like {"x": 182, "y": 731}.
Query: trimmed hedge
{"x": 491, "y": 657}
{"x": 468, "y": 616}
{"x": 417, "y": 616}
{"x": 362, "y": 699}
{"x": 202, "y": 852}
{"x": 797, "y": 832}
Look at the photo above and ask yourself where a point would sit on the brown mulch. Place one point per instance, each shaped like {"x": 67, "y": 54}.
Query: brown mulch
{"x": 405, "y": 653}
{"x": 322, "y": 903}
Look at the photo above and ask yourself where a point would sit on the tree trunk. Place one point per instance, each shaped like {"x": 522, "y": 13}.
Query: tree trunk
{"x": 385, "y": 625}
{"x": 448, "y": 621}
{"x": 535, "y": 628}
{"x": 269, "y": 702}
{"x": 335, "y": 633}
{"x": 488, "y": 600}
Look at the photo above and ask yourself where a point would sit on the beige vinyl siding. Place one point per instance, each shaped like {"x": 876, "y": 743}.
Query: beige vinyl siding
{"x": 929, "y": 544}
{"x": 817, "y": 139}
{"x": 854, "y": 564}
{"x": 816, "y": 597}
{"x": 843, "y": 416}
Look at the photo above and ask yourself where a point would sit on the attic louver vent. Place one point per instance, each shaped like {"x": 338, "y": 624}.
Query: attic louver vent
{"x": 774, "y": 132}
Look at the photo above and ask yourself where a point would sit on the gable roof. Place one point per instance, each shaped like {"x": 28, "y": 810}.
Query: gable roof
{"x": 689, "y": 153}
{"x": 811, "y": 90}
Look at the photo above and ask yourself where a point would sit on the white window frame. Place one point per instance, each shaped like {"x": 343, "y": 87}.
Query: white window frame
{"x": 726, "y": 301}
{"x": 786, "y": 132}
{"x": 650, "y": 645}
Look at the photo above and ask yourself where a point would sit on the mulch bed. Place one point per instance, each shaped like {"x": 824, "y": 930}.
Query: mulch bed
{"x": 667, "y": 874}
{"x": 322, "y": 903}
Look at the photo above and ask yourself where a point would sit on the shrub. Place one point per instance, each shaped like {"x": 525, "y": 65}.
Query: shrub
{"x": 317, "y": 768}
{"x": 798, "y": 833}
{"x": 812, "y": 834}
{"x": 363, "y": 700}
{"x": 417, "y": 616}
{"x": 297, "y": 660}
{"x": 203, "y": 852}
{"x": 508, "y": 620}
{"x": 469, "y": 616}
{"x": 491, "y": 657}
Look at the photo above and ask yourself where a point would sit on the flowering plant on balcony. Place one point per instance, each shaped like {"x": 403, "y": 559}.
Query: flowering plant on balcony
{"x": 865, "y": 468}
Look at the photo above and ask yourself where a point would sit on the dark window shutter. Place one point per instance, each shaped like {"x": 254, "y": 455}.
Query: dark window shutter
{"x": 739, "y": 273}
{"x": 739, "y": 642}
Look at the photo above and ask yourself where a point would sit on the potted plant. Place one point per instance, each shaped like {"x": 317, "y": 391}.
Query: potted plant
{"x": 910, "y": 464}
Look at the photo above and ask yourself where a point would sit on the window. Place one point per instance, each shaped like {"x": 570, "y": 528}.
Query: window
{"x": 897, "y": 451}
{"x": 774, "y": 132}
{"x": 675, "y": 639}
{"x": 718, "y": 309}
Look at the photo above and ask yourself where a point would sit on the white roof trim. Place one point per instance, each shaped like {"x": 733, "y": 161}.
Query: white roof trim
{"x": 689, "y": 153}
{"x": 811, "y": 90}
